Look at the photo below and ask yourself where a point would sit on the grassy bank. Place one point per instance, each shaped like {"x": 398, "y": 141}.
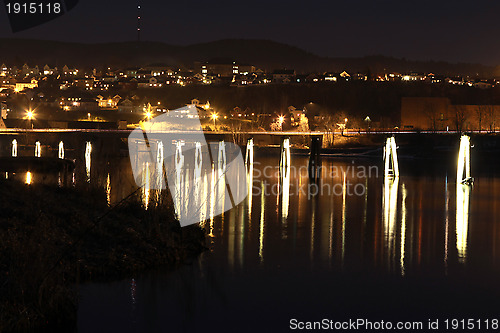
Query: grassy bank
{"x": 53, "y": 238}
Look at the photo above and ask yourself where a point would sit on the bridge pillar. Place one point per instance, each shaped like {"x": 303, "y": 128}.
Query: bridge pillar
{"x": 285, "y": 155}
{"x": 315, "y": 158}
{"x": 391, "y": 169}
{"x": 249, "y": 152}
{"x": 463, "y": 168}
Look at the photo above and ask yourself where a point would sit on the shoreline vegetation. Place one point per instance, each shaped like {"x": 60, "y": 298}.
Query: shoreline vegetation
{"x": 53, "y": 238}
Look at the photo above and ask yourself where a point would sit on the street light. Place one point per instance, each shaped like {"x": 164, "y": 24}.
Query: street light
{"x": 214, "y": 117}
{"x": 30, "y": 115}
{"x": 149, "y": 115}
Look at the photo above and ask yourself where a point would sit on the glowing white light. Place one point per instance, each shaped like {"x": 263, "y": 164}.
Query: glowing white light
{"x": 179, "y": 165}
{"x": 249, "y": 166}
{"x": 38, "y": 149}
{"x": 88, "y": 155}
{"x": 391, "y": 158}
{"x": 463, "y": 168}
{"x": 28, "y": 178}
{"x": 462, "y": 219}
{"x": 14, "y": 148}
{"x": 390, "y": 210}
{"x": 146, "y": 187}
{"x": 285, "y": 177}
{"x": 61, "y": 150}
{"x": 108, "y": 190}
{"x": 403, "y": 231}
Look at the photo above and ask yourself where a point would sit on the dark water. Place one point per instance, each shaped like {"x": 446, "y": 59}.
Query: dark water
{"x": 415, "y": 249}
{"x": 411, "y": 249}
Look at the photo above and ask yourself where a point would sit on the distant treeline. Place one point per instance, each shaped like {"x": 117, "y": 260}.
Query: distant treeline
{"x": 354, "y": 99}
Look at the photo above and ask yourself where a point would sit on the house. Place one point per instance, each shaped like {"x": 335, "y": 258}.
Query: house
{"x": 128, "y": 105}
{"x": 413, "y": 77}
{"x": 483, "y": 85}
{"x": 224, "y": 68}
{"x": 22, "y": 85}
{"x": 49, "y": 71}
{"x": 143, "y": 74}
{"x": 127, "y": 83}
{"x": 152, "y": 82}
{"x": 4, "y": 70}
{"x": 330, "y": 77}
{"x": 131, "y": 72}
{"x": 86, "y": 83}
{"x": 69, "y": 71}
{"x": 108, "y": 103}
{"x": 158, "y": 70}
{"x": 344, "y": 75}
{"x": 85, "y": 102}
{"x": 295, "y": 114}
{"x": 283, "y": 75}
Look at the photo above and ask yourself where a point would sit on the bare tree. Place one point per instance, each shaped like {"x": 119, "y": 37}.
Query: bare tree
{"x": 459, "y": 117}
{"x": 481, "y": 115}
{"x": 432, "y": 114}
{"x": 490, "y": 115}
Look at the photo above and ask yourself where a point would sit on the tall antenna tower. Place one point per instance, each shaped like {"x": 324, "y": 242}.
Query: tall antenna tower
{"x": 139, "y": 21}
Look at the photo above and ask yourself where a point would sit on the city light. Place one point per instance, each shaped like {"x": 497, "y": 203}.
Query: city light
{"x": 28, "y": 178}
{"x": 30, "y": 115}
{"x": 149, "y": 115}
{"x": 281, "y": 120}
{"x": 214, "y": 117}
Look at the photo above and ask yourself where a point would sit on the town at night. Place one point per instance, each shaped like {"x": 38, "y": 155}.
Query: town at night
{"x": 249, "y": 167}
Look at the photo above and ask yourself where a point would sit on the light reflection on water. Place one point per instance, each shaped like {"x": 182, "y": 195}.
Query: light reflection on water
{"x": 399, "y": 228}
{"x": 462, "y": 219}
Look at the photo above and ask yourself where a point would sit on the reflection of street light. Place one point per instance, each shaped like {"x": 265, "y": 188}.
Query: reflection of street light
{"x": 214, "y": 117}
{"x": 368, "y": 121}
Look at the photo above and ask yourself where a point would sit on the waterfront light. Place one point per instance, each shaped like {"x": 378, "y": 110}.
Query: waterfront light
{"x": 28, "y": 178}
{"x": 61, "y": 150}
{"x": 38, "y": 149}
{"x": 214, "y": 117}
{"x": 14, "y": 148}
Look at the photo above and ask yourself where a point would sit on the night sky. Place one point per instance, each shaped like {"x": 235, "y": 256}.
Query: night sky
{"x": 454, "y": 31}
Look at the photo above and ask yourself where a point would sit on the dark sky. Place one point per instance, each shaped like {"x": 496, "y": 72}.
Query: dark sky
{"x": 423, "y": 30}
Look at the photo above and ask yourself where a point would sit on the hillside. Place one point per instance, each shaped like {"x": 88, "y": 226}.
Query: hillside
{"x": 262, "y": 53}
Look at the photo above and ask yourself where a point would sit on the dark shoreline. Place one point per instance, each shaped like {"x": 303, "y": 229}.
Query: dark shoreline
{"x": 52, "y": 239}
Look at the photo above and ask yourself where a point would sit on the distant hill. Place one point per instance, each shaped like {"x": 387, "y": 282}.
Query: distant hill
{"x": 264, "y": 54}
